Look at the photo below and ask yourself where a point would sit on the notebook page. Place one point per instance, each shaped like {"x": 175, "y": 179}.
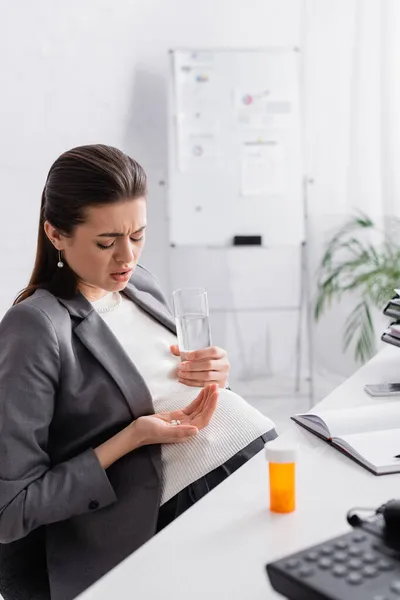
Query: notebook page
{"x": 377, "y": 448}
{"x": 314, "y": 422}
{"x": 360, "y": 419}
{"x": 331, "y": 422}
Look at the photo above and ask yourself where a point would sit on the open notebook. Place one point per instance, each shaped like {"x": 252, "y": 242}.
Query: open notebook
{"x": 370, "y": 435}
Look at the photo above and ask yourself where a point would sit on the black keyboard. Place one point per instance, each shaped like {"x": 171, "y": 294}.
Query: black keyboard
{"x": 354, "y": 566}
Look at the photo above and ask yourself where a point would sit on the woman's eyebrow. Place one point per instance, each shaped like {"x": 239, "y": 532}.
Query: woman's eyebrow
{"x": 117, "y": 234}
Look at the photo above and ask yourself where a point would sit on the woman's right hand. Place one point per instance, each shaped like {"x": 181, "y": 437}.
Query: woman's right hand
{"x": 157, "y": 429}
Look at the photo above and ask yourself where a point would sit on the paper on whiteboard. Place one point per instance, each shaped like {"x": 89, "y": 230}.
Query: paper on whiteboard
{"x": 198, "y": 141}
{"x": 195, "y": 88}
{"x": 262, "y": 110}
{"x": 262, "y": 168}
{"x": 198, "y": 123}
{"x": 198, "y": 152}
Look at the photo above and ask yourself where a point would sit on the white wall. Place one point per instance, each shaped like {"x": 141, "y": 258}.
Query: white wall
{"x": 83, "y": 72}
{"x": 88, "y": 71}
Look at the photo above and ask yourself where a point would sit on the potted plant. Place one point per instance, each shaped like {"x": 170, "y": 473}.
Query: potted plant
{"x": 352, "y": 263}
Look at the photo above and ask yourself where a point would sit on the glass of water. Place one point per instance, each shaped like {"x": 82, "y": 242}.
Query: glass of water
{"x": 192, "y": 319}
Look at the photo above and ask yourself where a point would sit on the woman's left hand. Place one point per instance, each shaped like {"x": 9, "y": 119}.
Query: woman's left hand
{"x": 202, "y": 367}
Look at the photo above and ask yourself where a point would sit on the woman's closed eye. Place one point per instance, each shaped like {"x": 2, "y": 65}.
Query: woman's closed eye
{"x": 106, "y": 246}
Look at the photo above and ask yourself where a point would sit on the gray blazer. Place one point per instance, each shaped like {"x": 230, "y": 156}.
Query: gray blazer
{"x": 66, "y": 386}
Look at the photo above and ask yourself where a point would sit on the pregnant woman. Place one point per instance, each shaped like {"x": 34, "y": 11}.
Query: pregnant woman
{"x": 105, "y": 435}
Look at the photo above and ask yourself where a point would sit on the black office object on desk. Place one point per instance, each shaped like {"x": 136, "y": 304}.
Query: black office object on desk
{"x": 390, "y": 339}
{"x": 392, "y": 309}
{"x": 359, "y": 565}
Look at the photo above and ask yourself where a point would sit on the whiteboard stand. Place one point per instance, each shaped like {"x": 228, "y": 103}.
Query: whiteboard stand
{"x": 299, "y": 322}
{"x": 306, "y": 308}
{"x": 305, "y": 321}
{"x": 307, "y": 181}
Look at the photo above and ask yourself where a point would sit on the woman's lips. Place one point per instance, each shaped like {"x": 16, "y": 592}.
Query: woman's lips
{"x": 122, "y": 275}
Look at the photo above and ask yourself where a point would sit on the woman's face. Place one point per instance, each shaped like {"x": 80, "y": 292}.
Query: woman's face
{"x": 105, "y": 249}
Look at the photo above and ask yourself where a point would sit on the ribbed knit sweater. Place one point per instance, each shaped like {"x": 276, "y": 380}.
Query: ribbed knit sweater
{"x": 234, "y": 424}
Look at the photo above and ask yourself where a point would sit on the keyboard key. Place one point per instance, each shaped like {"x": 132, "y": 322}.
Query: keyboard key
{"x": 355, "y": 563}
{"x": 340, "y": 557}
{"x": 311, "y": 556}
{"x": 341, "y": 545}
{"x": 359, "y": 537}
{"x": 326, "y": 550}
{"x": 354, "y": 578}
{"x": 354, "y": 551}
{"x": 369, "y": 558}
{"x": 339, "y": 571}
{"x": 325, "y": 563}
{"x": 369, "y": 571}
{"x": 306, "y": 571}
{"x": 292, "y": 563}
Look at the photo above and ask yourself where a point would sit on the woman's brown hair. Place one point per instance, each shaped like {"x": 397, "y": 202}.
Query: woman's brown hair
{"x": 82, "y": 177}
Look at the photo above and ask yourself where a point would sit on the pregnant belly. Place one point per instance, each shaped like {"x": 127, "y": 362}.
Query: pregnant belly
{"x": 232, "y": 410}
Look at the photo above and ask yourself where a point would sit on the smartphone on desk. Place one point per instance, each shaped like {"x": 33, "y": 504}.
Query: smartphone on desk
{"x": 383, "y": 389}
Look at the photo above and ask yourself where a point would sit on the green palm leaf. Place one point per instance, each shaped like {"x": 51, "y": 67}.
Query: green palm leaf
{"x": 351, "y": 264}
{"x": 360, "y": 322}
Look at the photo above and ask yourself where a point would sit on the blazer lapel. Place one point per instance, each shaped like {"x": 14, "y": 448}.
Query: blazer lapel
{"x": 152, "y": 306}
{"x": 102, "y": 343}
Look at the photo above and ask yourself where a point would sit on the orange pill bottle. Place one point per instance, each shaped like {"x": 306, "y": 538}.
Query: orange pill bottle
{"x": 282, "y": 477}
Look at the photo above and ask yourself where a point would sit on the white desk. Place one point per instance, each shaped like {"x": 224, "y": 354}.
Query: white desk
{"x": 218, "y": 549}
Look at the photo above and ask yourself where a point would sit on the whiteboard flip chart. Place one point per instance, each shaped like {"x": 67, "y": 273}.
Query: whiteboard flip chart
{"x": 222, "y": 181}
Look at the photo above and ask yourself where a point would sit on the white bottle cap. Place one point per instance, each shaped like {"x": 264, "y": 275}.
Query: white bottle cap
{"x": 277, "y": 453}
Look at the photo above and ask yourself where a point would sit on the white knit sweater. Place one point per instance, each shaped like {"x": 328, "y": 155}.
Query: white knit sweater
{"x": 234, "y": 424}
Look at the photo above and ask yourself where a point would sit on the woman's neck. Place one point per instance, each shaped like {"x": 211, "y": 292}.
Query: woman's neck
{"x": 92, "y": 293}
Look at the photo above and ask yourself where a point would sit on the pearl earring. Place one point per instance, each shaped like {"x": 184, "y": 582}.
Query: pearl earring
{"x": 60, "y": 263}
